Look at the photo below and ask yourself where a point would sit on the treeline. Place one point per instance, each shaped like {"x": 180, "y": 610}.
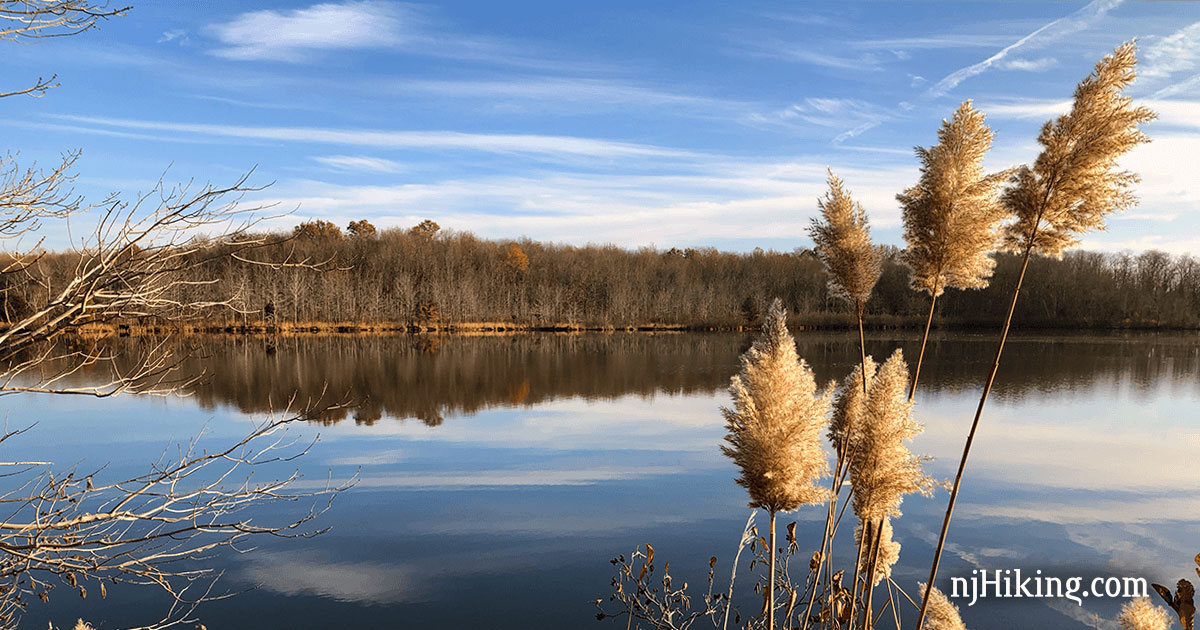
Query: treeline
{"x": 424, "y": 275}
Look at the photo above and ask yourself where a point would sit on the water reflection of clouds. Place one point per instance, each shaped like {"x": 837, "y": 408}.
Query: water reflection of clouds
{"x": 1104, "y": 444}
{"x": 427, "y": 573}
{"x": 379, "y": 458}
{"x": 1082, "y": 615}
{"x": 1104, "y": 478}
{"x": 500, "y": 477}
{"x": 1087, "y": 508}
{"x": 675, "y": 423}
{"x": 312, "y": 574}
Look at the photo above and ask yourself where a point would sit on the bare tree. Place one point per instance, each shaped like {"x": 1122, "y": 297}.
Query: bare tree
{"x": 65, "y": 527}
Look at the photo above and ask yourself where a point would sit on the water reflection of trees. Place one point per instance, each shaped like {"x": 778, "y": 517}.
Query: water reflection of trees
{"x": 430, "y": 378}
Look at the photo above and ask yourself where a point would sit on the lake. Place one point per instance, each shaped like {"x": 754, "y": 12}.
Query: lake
{"x": 497, "y": 475}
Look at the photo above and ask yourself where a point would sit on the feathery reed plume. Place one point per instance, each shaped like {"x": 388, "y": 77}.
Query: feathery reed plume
{"x": 1140, "y": 614}
{"x": 849, "y": 408}
{"x": 942, "y": 614}
{"x": 775, "y": 425}
{"x": 1069, "y": 189}
{"x": 889, "y": 550}
{"x": 882, "y": 469}
{"x": 843, "y": 243}
{"x": 1073, "y": 184}
{"x": 952, "y": 215}
{"x": 775, "y": 429}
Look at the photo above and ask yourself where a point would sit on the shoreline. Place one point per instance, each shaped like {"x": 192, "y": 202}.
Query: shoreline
{"x": 798, "y": 325}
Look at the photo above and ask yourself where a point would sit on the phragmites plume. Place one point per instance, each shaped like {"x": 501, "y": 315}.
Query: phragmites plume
{"x": 882, "y": 469}
{"x": 776, "y": 421}
{"x": 849, "y": 408}
{"x": 1140, "y": 614}
{"x": 952, "y": 216}
{"x": 843, "y": 243}
{"x": 1073, "y": 183}
{"x": 889, "y": 551}
{"x": 942, "y": 614}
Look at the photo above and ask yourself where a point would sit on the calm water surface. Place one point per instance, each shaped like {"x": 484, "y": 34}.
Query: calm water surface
{"x": 499, "y": 474}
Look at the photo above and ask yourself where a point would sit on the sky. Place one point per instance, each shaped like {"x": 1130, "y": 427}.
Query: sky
{"x": 667, "y": 124}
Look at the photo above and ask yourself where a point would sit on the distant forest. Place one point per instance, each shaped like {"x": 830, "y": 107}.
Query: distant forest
{"x": 427, "y": 276}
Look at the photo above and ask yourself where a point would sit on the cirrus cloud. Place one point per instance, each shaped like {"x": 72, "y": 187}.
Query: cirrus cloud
{"x": 292, "y": 35}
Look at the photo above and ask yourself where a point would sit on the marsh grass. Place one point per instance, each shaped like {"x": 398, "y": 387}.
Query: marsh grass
{"x": 955, "y": 217}
{"x": 1070, "y": 189}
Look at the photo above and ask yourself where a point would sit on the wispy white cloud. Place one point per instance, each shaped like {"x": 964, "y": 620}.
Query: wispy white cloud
{"x": 850, "y": 116}
{"x": 588, "y": 91}
{"x": 1052, "y": 32}
{"x": 729, "y": 200}
{"x": 533, "y": 144}
{"x": 1177, "y": 52}
{"x": 808, "y": 18}
{"x": 1040, "y": 64}
{"x": 812, "y": 57}
{"x": 298, "y": 35}
{"x": 1164, "y": 59}
{"x": 1182, "y": 113}
{"x": 1172, "y": 113}
{"x": 244, "y": 103}
{"x": 111, "y": 133}
{"x": 1024, "y": 108}
{"x": 178, "y": 36}
{"x": 934, "y": 42}
{"x": 809, "y": 54}
{"x": 1170, "y": 200}
{"x": 359, "y": 163}
{"x": 291, "y": 35}
{"x": 1187, "y": 87}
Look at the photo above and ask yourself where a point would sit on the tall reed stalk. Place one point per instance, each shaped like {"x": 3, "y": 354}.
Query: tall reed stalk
{"x": 952, "y": 215}
{"x": 747, "y": 538}
{"x": 1071, "y": 187}
{"x": 875, "y": 532}
{"x": 884, "y": 470}
{"x": 842, "y": 241}
{"x": 844, "y": 427}
{"x": 774, "y": 430}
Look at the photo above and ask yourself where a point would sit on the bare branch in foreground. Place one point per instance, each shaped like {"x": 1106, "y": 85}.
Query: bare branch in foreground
{"x": 68, "y": 528}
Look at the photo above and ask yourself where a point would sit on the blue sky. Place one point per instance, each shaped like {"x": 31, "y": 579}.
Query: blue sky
{"x": 665, "y": 124}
